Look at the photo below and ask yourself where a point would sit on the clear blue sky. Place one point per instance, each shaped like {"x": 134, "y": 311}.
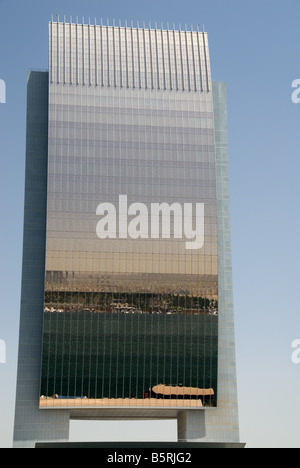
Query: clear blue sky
{"x": 254, "y": 47}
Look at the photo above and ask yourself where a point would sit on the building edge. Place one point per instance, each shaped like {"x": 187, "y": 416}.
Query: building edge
{"x": 31, "y": 424}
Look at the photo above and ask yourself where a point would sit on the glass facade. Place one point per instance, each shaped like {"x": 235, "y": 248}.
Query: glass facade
{"x": 131, "y": 280}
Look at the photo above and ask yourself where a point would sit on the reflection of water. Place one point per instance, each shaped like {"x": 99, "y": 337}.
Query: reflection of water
{"x": 104, "y": 355}
{"x": 131, "y": 310}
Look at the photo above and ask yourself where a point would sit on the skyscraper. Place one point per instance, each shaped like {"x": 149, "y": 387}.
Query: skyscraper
{"x": 127, "y": 289}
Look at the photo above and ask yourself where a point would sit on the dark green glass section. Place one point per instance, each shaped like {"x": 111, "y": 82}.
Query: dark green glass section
{"x": 123, "y": 355}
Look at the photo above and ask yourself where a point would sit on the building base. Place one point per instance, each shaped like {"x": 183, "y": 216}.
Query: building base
{"x": 161, "y": 446}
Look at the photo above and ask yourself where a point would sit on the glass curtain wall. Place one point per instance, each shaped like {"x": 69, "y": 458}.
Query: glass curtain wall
{"x": 131, "y": 281}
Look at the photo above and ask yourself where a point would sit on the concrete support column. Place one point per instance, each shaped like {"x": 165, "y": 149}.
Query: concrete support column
{"x": 191, "y": 426}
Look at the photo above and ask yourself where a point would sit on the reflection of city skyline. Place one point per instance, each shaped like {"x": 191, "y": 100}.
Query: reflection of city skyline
{"x": 149, "y": 304}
